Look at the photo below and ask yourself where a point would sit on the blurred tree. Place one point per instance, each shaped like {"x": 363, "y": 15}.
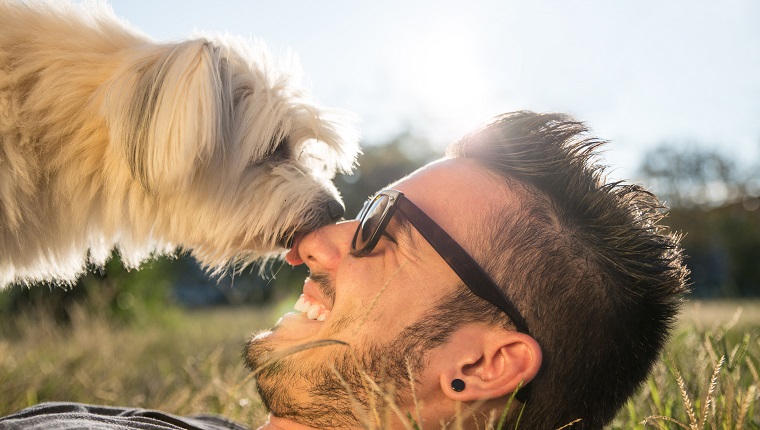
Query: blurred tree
{"x": 112, "y": 292}
{"x": 722, "y": 245}
{"x": 686, "y": 175}
{"x": 715, "y": 204}
{"x": 381, "y": 164}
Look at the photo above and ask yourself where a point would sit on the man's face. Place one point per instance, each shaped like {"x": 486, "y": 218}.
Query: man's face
{"x": 368, "y": 302}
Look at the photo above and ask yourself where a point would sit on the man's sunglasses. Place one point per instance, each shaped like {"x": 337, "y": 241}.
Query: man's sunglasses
{"x": 377, "y": 213}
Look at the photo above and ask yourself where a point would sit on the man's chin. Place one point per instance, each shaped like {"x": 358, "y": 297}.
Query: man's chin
{"x": 257, "y": 349}
{"x": 292, "y": 389}
{"x": 257, "y": 354}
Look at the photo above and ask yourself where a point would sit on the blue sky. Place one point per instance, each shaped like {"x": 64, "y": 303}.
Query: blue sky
{"x": 638, "y": 72}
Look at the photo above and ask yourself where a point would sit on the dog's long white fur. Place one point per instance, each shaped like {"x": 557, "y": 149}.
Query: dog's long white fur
{"x": 109, "y": 139}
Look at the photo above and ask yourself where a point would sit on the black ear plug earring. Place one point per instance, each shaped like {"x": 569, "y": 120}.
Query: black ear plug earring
{"x": 457, "y": 385}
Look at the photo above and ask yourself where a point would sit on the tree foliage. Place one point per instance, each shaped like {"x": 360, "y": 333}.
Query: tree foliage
{"x": 382, "y": 164}
{"x": 716, "y": 205}
{"x": 686, "y": 175}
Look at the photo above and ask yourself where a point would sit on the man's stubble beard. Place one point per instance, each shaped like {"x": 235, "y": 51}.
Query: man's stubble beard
{"x": 332, "y": 400}
{"x": 329, "y": 404}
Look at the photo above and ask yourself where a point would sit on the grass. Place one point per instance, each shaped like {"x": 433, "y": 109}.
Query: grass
{"x": 708, "y": 377}
{"x": 188, "y": 364}
{"x": 191, "y": 363}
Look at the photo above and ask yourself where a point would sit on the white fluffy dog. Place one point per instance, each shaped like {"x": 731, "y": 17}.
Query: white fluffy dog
{"x": 108, "y": 139}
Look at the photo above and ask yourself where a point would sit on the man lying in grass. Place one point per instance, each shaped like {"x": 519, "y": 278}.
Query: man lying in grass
{"x": 508, "y": 283}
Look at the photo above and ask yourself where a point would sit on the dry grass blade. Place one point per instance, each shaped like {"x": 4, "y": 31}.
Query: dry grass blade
{"x": 355, "y": 404}
{"x": 710, "y": 348}
{"x": 734, "y": 319}
{"x": 390, "y": 403}
{"x": 711, "y": 391}
{"x": 570, "y": 424}
{"x": 752, "y": 369}
{"x": 377, "y": 296}
{"x": 686, "y": 400}
{"x": 473, "y": 410}
{"x": 749, "y": 396}
{"x": 412, "y": 385}
{"x": 458, "y": 418}
{"x": 664, "y": 418}
{"x": 371, "y": 393}
{"x": 738, "y": 353}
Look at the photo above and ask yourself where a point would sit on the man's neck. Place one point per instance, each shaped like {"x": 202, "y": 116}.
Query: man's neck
{"x": 275, "y": 423}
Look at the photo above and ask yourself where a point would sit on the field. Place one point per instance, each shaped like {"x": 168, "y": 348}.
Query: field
{"x": 190, "y": 363}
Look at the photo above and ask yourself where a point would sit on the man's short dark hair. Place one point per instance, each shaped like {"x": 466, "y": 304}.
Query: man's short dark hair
{"x": 598, "y": 281}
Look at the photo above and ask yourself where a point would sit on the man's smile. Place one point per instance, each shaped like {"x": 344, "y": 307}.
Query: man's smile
{"x": 311, "y": 308}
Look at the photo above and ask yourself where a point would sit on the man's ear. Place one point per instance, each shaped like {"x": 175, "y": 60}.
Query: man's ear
{"x": 492, "y": 362}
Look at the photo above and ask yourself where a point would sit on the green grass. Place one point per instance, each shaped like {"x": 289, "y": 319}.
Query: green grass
{"x": 190, "y": 362}
{"x": 708, "y": 377}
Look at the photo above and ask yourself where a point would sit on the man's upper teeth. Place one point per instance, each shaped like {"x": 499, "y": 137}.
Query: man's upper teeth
{"x": 299, "y": 304}
{"x": 313, "y": 311}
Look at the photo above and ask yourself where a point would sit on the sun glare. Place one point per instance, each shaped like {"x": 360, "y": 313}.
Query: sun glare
{"x": 441, "y": 76}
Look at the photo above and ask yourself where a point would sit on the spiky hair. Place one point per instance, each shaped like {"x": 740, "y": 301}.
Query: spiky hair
{"x": 597, "y": 279}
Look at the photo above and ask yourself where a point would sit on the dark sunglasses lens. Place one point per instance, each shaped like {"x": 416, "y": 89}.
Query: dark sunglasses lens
{"x": 365, "y": 206}
{"x": 370, "y": 221}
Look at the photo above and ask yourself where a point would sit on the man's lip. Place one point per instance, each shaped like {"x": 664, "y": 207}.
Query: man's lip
{"x": 311, "y": 289}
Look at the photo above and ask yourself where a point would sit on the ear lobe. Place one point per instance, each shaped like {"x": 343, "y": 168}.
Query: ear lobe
{"x": 167, "y": 109}
{"x": 507, "y": 360}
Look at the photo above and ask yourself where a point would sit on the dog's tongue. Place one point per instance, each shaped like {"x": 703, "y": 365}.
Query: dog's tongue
{"x": 292, "y": 257}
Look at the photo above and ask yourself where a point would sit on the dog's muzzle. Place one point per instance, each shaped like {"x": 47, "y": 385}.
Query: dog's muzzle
{"x": 334, "y": 212}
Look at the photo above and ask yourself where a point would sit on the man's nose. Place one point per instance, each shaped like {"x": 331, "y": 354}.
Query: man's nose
{"x": 323, "y": 248}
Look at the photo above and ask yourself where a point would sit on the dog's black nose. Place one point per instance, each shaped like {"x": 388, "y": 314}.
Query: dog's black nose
{"x": 336, "y": 210}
